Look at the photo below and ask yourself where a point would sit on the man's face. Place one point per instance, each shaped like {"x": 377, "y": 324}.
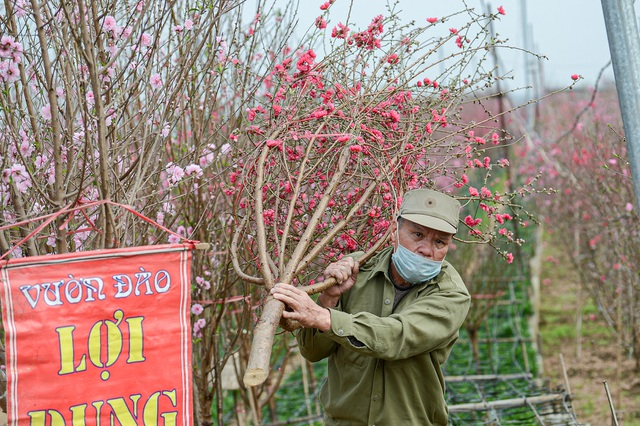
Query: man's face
{"x": 424, "y": 241}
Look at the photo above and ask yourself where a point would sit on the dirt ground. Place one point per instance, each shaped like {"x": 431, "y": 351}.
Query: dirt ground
{"x": 592, "y": 363}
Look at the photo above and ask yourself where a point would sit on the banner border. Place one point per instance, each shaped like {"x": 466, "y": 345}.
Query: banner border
{"x": 75, "y": 257}
{"x": 9, "y": 324}
{"x": 185, "y": 336}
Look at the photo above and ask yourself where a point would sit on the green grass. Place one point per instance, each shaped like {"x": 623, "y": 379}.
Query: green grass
{"x": 559, "y": 333}
{"x": 587, "y": 409}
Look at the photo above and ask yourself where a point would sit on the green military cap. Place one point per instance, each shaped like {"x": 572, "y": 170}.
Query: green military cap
{"x": 432, "y": 209}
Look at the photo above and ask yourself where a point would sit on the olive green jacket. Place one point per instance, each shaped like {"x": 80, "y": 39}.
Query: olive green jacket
{"x": 384, "y": 364}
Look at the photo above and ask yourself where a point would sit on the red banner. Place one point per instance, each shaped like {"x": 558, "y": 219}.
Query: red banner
{"x": 99, "y": 338}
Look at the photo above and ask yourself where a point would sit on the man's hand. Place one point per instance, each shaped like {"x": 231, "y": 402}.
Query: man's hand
{"x": 304, "y": 309}
{"x": 345, "y": 272}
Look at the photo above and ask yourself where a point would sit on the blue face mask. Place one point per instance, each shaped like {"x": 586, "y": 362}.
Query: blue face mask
{"x": 415, "y": 269}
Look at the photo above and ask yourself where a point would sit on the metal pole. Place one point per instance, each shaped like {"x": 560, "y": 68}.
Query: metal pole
{"x": 624, "y": 44}
{"x": 526, "y": 44}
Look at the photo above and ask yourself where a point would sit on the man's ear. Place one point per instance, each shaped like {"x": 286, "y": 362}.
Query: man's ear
{"x": 393, "y": 226}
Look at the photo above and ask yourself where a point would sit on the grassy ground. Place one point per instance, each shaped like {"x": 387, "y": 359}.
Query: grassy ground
{"x": 589, "y": 361}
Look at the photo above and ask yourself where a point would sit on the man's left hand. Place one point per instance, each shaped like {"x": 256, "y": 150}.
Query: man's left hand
{"x": 304, "y": 310}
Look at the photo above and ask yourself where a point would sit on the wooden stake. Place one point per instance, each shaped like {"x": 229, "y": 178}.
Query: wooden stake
{"x": 566, "y": 377}
{"x": 614, "y": 419}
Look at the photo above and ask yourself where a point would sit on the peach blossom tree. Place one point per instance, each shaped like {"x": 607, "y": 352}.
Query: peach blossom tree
{"x": 583, "y": 155}
{"x": 131, "y": 103}
{"x": 339, "y": 133}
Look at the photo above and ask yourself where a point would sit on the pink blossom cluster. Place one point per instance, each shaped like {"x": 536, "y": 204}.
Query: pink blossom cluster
{"x": 198, "y": 325}
{"x": 340, "y": 31}
{"x": 370, "y": 38}
{"x": 10, "y": 57}
{"x": 175, "y": 173}
{"x": 18, "y": 176}
{"x": 326, "y": 5}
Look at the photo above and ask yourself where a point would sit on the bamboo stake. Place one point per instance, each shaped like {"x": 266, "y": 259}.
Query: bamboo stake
{"x": 505, "y": 403}
{"x": 579, "y": 297}
{"x": 305, "y": 384}
{"x": 252, "y": 403}
{"x": 487, "y": 377}
{"x": 564, "y": 373}
{"x": 620, "y": 345}
{"x": 614, "y": 419}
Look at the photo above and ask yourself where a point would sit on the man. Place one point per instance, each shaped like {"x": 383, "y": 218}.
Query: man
{"x": 388, "y": 325}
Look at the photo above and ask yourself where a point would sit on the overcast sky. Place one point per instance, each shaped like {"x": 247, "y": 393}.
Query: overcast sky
{"x": 570, "y": 33}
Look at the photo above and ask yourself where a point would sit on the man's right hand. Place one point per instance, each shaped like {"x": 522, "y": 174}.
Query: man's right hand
{"x": 345, "y": 272}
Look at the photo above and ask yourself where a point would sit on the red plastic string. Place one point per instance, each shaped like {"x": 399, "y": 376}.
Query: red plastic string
{"x": 68, "y": 209}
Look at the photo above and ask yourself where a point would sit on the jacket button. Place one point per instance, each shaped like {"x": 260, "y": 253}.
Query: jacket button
{"x": 340, "y": 332}
{"x": 387, "y": 301}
